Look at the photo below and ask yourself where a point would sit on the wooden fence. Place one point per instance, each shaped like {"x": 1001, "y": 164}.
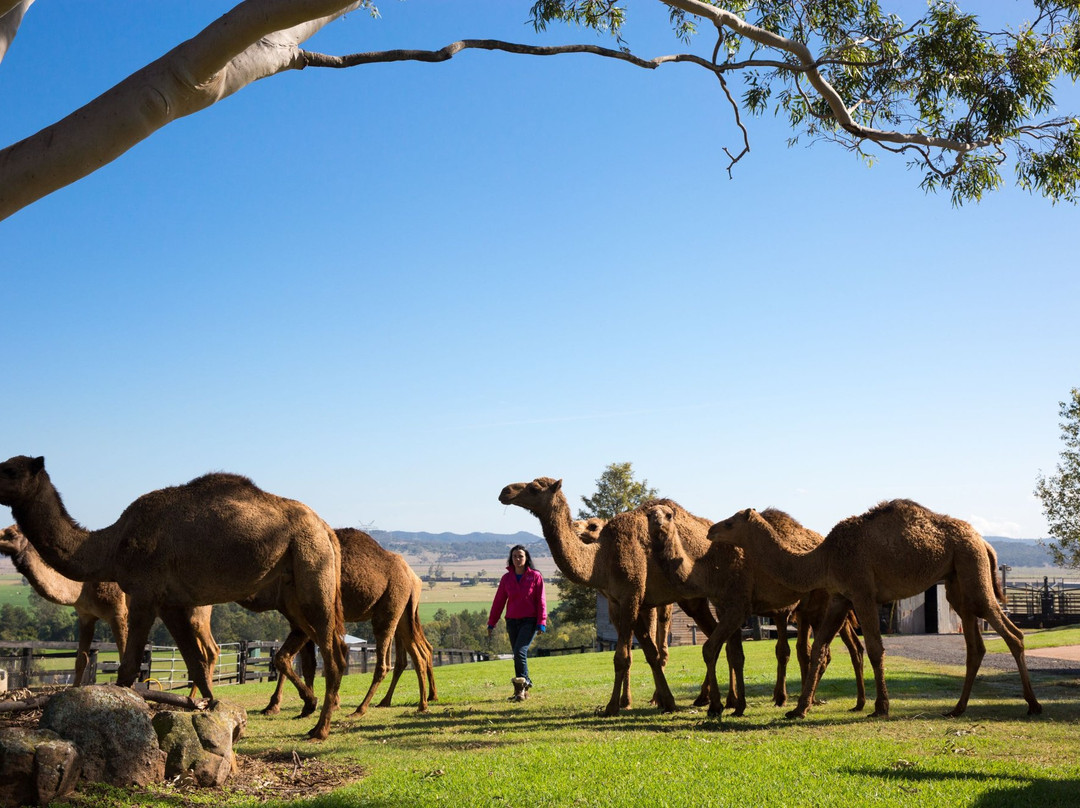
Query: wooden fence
{"x": 31, "y": 664}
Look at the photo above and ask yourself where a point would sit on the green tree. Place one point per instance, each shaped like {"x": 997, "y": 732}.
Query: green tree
{"x": 616, "y": 491}
{"x": 1060, "y": 492}
{"x": 958, "y": 97}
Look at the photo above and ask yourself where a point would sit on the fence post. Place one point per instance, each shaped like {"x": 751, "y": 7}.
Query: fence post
{"x": 27, "y": 661}
{"x": 241, "y": 663}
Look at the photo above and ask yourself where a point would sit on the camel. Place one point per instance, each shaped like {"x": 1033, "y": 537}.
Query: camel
{"x": 740, "y": 589}
{"x": 92, "y": 601}
{"x": 376, "y": 585}
{"x": 895, "y": 550}
{"x": 621, "y": 567}
{"x": 216, "y": 539}
{"x": 100, "y": 601}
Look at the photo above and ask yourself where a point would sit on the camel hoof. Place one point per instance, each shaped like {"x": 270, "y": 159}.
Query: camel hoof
{"x": 608, "y": 711}
{"x": 359, "y": 711}
{"x": 1034, "y": 708}
{"x": 273, "y": 710}
{"x": 715, "y": 712}
{"x": 879, "y": 714}
{"x": 796, "y": 713}
{"x": 858, "y": 708}
{"x": 308, "y": 710}
{"x": 780, "y": 702}
{"x": 701, "y": 701}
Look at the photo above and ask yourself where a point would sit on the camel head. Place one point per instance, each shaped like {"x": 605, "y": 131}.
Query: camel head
{"x": 12, "y": 541}
{"x": 19, "y": 479}
{"x": 588, "y": 530}
{"x": 739, "y": 528}
{"x": 535, "y": 497}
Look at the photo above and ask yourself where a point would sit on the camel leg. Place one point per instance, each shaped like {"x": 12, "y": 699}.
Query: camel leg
{"x": 867, "y": 613}
{"x": 660, "y": 632}
{"x": 976, "y": 650}
{"x": 624, "y": 620}
{"x": 424, "y": 652}
{"x": 823, "y": 635}
{"x": 783, "y": 654}
{"x": 401, "y": 662}
{"x": 313, "y": 603}
{"x": 698, "y": 610}
{"x": 624, "y": 696}
{"x": 140, "y": 620}
{"x": 385, "y": 629}
{"x": 86, "y": 637}
{"x": 190, "y": 629}
{"x": 729, "y": 622}
{"x": 1014, "y": 638}
{"x": 736, "y": 659}
{"x": 991, "y": 611}
{"x": 855, "y": 651}
{"x": 646, "y": 639}
{"x": 294, "y": 643}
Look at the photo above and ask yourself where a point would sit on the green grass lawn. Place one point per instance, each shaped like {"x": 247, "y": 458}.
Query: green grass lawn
{"x": 473, "y": 748}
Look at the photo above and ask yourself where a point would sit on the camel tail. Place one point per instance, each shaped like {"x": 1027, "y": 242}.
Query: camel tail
{"x": 999, "y": 592}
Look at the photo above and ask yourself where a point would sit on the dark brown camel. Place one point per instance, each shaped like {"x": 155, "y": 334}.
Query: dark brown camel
{"x": 216, "y": 539}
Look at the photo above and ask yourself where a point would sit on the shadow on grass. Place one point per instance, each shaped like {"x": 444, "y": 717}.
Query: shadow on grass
{"x": 1022, "y": 792}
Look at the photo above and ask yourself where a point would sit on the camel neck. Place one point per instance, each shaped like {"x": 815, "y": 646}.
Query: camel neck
{"x": 575, "y": 558}
{"x": 46, "y": 581}
{"x": 60, "y": 541}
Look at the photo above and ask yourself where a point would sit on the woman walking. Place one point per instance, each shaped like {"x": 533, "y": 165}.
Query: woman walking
{"x": 521, "y": 591}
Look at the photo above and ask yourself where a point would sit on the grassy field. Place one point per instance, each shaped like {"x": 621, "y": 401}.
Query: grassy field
{"x": 12, "y": 589}
{"x": 473, "y": 748}
{"x": 455, "y": 598}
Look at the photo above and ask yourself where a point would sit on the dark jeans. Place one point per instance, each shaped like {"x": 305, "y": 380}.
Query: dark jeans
{"x": 521, "y": 631}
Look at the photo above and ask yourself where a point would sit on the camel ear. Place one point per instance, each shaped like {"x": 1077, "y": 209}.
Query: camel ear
{"x": 37, "y": 464}
{"x": 557, "y": 486}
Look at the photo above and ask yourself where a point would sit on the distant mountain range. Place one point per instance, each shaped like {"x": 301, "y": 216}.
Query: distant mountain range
{"x": 509, "y": 539}
{"x": 1020, "y": 552}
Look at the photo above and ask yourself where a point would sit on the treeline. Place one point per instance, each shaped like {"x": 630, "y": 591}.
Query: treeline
{"x": 42, "y": 620}
{"x": 468, "y": 629}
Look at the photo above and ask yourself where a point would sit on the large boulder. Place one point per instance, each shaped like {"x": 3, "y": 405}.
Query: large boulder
{"x": 36, "y": 766}
{"x": 111, "y": 727}
{"x": 200, "y": 745}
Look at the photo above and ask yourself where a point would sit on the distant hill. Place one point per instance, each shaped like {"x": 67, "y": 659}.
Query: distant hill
{"x": 459, "y": 546}
{"x": 1020, "y": 552}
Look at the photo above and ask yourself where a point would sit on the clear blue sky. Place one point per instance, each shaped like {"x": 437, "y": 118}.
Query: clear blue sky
{"x": 390, "y": 291}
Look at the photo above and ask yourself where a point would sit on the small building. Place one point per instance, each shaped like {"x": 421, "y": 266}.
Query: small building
{"x": 682, "y": 631}
{"x": 926, "y": 613}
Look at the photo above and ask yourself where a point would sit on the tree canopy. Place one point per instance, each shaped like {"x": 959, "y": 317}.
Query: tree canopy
{"x": 1060, "y": 492}
{"x": 959, "y": 96}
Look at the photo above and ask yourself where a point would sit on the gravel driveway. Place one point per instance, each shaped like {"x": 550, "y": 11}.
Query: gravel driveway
{"x": 948, "y": 649}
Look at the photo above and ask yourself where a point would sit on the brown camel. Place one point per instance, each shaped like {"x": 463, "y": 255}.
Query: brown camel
{"x": 588, "y": 531}
{"x": 216, "y": 539}
{"x": 92, "y": 601}
{"x": 621, "y": 567}
{"x": 376, "y": 585}
{"x": 739, "y": 589}
{"x": 893, "y": 551}
{"x": 102, "y": 601}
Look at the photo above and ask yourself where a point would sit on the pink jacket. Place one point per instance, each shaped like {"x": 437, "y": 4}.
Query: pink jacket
{"x": 524, "y": 598}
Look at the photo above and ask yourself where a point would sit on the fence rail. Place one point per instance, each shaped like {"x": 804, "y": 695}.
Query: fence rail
{"x": 1043, "y": 604}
